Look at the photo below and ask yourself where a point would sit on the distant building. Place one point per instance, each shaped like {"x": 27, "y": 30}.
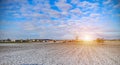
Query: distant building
{"x": 19, "y": 40}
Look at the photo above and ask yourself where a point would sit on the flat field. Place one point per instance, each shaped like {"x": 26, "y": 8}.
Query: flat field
{"x": 60, "y": 53}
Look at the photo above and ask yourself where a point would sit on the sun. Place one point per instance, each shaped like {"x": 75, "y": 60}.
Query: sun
{"x": 87, "y": 38}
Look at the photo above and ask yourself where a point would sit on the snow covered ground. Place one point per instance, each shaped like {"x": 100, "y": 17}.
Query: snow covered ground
{"x": 60, "y": 54}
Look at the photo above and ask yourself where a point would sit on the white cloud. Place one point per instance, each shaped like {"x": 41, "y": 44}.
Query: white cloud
{"x": 117, "y": 6}
{"x": 94, "y": 15}
{"x": 76, "y": 11}
{"x": 87, "y": 5}
{"x": 79, "y": 27}
{"x": 75, "y": 1}
{"x": 32, "y": 11}
{"x": 53, "y": 13}
{"x": 41, "y": 23}
{"x": 107, "y": 2}
{"x": 28, "y": 26}
{"x": 92, "y": 18}
{"x": 118, "y": 15}
{"x": 62, "y": 0}
{"x": 63, "y": 5}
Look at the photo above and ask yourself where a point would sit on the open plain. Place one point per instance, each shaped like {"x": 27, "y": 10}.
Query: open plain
{"x": 60, "y": 53}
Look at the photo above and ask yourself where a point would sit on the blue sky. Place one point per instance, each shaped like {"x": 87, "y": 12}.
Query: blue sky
{"x": 59, "y": 19}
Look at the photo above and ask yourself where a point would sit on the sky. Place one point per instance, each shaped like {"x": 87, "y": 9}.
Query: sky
{"x": 59, "y": 19}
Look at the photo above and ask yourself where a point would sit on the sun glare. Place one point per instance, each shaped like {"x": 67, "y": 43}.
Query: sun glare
{"x": 87, "y": 38}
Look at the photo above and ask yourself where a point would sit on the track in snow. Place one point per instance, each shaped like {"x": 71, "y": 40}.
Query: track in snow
{"x": 59, "y": 54}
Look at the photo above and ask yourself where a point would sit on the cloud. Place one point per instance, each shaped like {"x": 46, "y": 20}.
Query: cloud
{"x": 28, "y": 26}
{"x": 107, "y": 2}
{"x": 42, "y": 10}
{"x": 64, "y": 20}
{"x": 31, "y": 11}
{"x": 75, "y": 1}
{"x": 118, "y": 15}
{"x": 91, "y": 18}
{"x": 94, "y": 15}
{"x": 54, "y": 13}
{"x": 76, "y": 11}
{"x": 87, "y": 5}
{"x": 117, "y": 5}
{"x": 63, "y": 6}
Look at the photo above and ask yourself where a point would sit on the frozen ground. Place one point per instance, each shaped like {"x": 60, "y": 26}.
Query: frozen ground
{"x": 60, "y": 54}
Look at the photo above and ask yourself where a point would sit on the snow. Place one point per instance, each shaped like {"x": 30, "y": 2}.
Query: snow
{"x": 59, "y": 54}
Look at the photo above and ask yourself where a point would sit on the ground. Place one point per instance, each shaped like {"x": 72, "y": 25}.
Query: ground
{"x": 60, "y": 54}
